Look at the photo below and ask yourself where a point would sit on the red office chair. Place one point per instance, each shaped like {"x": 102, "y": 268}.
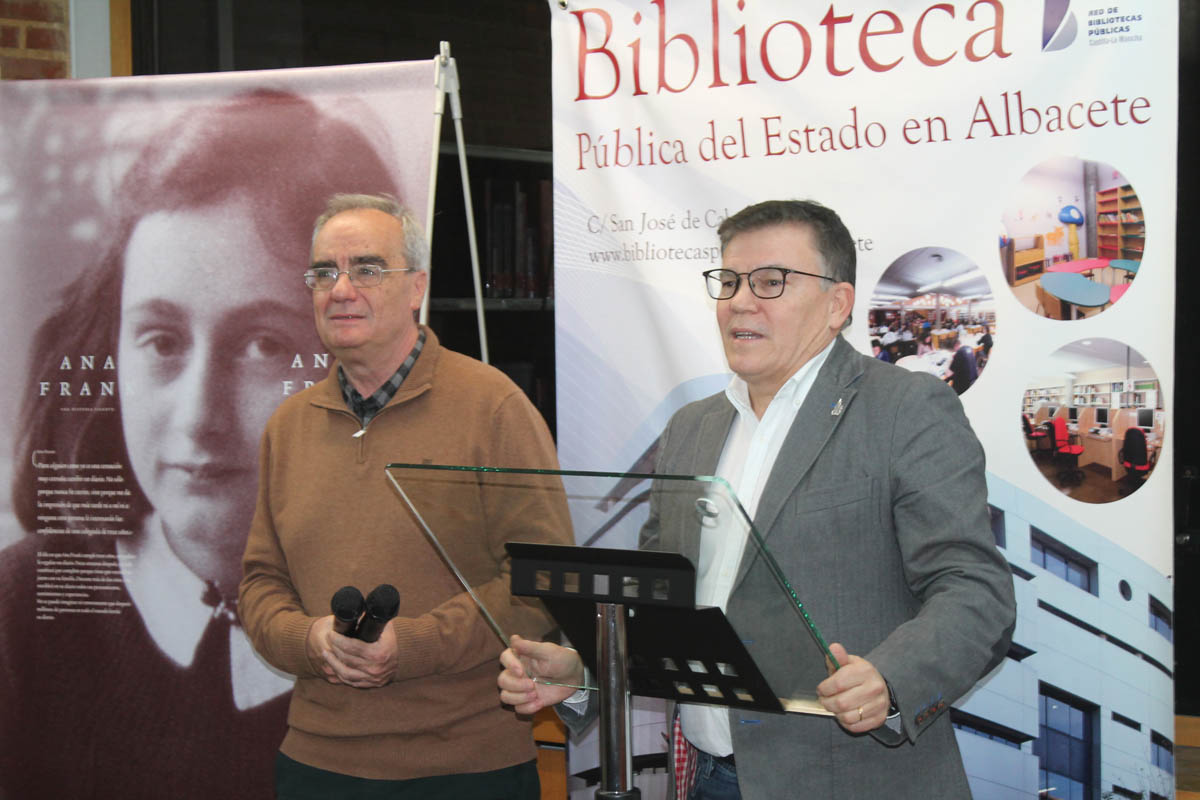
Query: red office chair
{"x": 1135, "y": 458}
{"x": 1040, "y": 437}
{"x": 1068, "y": 453}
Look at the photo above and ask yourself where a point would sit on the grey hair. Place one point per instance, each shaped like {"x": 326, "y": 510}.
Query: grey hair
{"x": 832, "y": 240}
{"x": 416, "y": 249}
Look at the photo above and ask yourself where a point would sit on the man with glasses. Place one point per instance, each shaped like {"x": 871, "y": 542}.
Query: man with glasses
{"x": 414, "y": 713}
{"x": 867, "y": 484}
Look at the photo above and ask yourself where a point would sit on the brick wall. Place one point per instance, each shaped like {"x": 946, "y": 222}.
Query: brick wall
{"x": 34, "y": 39}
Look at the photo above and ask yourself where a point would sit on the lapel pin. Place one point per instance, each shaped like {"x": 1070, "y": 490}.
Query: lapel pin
{"x": 837, "y": 408}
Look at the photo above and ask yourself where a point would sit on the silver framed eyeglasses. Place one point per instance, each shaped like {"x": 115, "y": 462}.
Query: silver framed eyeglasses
{"x": 765, "y": 282}
{"x": 362, "y": 276}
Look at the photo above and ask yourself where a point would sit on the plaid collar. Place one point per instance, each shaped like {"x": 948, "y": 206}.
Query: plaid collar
{"x": 365, "y": 408}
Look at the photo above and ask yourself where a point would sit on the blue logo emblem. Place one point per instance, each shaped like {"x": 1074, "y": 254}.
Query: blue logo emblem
{"x": 1058, "y": 25}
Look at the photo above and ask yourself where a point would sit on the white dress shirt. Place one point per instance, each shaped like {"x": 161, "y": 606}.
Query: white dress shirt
{"x": 746, "y": 462}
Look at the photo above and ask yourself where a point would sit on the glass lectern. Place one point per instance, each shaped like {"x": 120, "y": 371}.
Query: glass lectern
{"x": 626, "y": 598}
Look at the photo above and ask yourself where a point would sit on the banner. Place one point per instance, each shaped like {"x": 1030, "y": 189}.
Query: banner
{"x": 157, "y": 230}
{"x": 1007, "y": 169}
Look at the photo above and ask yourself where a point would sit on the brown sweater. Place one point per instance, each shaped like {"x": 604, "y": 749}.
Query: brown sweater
{"x": 328, "y": 517}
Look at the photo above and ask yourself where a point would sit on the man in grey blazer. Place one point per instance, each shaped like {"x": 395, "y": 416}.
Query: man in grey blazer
{"x": 868, "y": 485}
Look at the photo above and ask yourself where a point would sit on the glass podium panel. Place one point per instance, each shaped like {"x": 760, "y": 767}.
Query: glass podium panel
{"x": 641, "y": 541}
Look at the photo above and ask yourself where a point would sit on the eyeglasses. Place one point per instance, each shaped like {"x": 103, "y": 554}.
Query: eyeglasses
{"x": 765, "y": 282}
{"x": 362, "y": 276}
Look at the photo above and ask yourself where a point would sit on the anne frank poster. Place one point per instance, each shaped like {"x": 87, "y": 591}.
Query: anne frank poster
{"x": 156, "y": 232}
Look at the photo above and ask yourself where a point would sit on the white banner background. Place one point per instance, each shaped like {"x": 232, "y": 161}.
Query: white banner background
{"x": 636, "y": 333}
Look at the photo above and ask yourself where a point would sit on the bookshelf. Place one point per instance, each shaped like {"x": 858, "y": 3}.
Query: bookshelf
{"x": 1108, "y": 223}
{"x": 1113, "y": 395}
{"x": 1133, "y": 226}
{"x": 1095, "y": 395}
{"x": 1046, "y": 395}
{"x": 1144, "y": 395}
{"x": 511, "y": 195}
{"x": 1120, "y": 227}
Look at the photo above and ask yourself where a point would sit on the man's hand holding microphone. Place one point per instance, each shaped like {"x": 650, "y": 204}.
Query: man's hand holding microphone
{"x": 355, "y": 645}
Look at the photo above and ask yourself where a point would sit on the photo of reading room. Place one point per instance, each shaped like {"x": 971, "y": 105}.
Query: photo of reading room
{"x": 933, "y": 311}
{"x": 1072, "y": 238}
{"x": 1092, "y": 417}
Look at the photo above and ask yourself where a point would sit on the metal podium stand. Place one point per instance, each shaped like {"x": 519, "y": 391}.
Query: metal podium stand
{"x": 631, "y": 616}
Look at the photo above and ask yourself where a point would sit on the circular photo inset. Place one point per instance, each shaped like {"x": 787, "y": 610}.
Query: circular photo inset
{"x": 933, "y": 311}
{"x": 1072, "y": 238}
{"x": 1092, "y": 417}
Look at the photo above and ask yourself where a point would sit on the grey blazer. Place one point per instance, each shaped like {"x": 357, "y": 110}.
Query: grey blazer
{"x": 877, "y": 514}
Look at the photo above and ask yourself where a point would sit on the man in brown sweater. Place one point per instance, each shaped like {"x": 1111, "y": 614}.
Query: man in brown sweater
{"x": 414, "y": 713}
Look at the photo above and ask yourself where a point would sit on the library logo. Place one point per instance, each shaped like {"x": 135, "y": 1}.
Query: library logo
{"x": 1059, "y": 27}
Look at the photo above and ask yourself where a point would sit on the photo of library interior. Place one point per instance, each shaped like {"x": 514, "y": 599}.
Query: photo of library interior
{"x": 933, "y": 311}
{"x": 1092, "y": 417}
{"x": 1072, "y": 238}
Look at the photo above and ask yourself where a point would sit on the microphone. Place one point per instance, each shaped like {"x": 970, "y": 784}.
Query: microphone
{"x": 382, "y": 604}
{"x": 347, "y": 606}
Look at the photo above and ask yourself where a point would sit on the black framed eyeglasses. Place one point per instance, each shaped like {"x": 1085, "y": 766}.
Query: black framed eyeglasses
{"x": 766, "y": 283}
{"x": 362, "y": 276}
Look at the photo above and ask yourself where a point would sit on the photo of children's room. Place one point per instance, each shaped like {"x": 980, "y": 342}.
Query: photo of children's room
{"x": 1072, "y": 238}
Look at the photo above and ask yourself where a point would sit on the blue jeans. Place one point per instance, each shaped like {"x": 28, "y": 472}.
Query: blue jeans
{"x": 715, "y": 779}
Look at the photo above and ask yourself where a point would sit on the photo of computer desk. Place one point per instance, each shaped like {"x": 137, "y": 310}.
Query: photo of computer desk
{"x": 1103, "y": 432}
{"x": 1105, "y": 460}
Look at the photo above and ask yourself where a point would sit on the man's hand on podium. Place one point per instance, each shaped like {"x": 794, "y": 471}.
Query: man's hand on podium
{"x": 856, "y": 692}
{"x": 524, "y": 660}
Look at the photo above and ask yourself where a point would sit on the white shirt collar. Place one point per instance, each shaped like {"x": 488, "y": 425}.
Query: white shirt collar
{"x": 168, "y": 597}
{"x": 794, "y": 389}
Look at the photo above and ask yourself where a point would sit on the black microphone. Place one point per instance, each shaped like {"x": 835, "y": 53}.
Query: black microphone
{"x": 382, "y": 604}
{"x": 347, "y": 606}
